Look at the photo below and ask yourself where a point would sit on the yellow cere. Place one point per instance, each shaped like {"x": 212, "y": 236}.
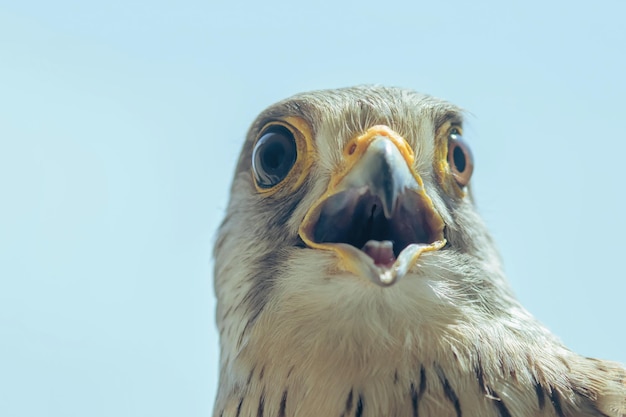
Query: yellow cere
{"x": 357, "y": 146}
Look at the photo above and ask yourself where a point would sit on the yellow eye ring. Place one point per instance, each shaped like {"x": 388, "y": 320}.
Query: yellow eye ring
{"x": 460, "y": 158}
{"x": 281, "y": 155}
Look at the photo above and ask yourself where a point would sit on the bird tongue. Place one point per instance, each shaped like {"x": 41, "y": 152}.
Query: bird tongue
{"x": 380, "y": 252}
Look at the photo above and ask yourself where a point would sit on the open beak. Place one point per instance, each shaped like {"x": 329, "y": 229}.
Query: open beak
{"x": 375, "y": 214}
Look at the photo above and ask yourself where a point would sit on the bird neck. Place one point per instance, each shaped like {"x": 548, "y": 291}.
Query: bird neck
{"x": 429, "y": 370}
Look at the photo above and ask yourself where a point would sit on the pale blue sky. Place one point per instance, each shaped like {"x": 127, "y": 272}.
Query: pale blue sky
{"x": 120, "y": 124}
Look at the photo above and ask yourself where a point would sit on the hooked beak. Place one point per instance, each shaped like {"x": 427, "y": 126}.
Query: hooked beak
{"x": 375, "y": 214}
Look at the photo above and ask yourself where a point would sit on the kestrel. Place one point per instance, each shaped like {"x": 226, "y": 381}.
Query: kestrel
{"x": 354, "y": 276}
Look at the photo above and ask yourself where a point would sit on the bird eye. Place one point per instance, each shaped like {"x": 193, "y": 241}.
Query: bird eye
{"x": 459, "y": 158}
{"x": 273, "y": 156}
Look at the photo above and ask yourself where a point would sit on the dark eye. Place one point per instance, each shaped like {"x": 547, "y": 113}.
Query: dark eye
{"x": 273, "y": 156}
{"x": 459, "y": 158}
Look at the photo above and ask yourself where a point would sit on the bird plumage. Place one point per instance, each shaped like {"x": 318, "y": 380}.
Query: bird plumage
{"x": 302, "y": 336}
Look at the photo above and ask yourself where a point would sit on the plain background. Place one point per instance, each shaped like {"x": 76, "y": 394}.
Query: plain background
{"x": 120, "y": 124}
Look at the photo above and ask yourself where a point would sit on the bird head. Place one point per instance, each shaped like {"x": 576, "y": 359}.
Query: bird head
{"x": 352, "y": 268}
{"x": 351, "y": 220}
